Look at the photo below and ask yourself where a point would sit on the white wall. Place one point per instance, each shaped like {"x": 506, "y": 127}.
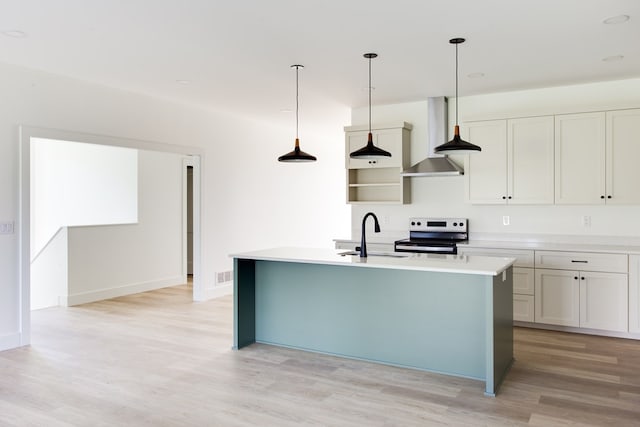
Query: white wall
{"x": 249, "y": 200}
{"x": 50, "y": 273}
{"x": 80, "y": 184}
{"x": 445, "y": 196}
{"x": 112, "y": 260}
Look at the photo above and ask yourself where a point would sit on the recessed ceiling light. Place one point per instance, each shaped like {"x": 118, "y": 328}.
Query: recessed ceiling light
{"x": 286, "y": 110}
{"x": 613, "y": 58}
{"x": 616, "y": 19}
{"x": 475, "y": 75}
{"x": 16, "y": 34}
{"x": 183, "y": 82}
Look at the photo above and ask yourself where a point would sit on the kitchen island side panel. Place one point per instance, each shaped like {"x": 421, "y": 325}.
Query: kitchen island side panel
{"x": 426, "y": 320}
{"x": 244, "y": 306}
{"x": 500, "y": 330}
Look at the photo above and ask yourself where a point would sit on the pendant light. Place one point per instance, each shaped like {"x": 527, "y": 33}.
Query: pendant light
{"x": 457, "y": 145}
{"x": 297, "y": 155}
{"x": 370, "y": 151}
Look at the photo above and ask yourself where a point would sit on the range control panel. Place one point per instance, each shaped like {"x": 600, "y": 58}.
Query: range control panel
{"x": 446, "y": 225}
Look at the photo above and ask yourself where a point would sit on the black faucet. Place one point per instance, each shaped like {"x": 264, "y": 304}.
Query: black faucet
{"x": 363, "y": 240}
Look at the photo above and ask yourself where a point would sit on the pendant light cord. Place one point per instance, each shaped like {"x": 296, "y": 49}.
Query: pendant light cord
{"x": 297, "y": 67}
{"x": 456, "y": 84}
{"x": 370, "y": 94}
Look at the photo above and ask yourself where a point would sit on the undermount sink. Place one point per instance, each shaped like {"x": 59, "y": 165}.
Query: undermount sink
{"x": 385, "y": 254}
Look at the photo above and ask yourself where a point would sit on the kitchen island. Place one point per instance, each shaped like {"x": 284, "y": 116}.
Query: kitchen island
{"x": 449, "y": 314}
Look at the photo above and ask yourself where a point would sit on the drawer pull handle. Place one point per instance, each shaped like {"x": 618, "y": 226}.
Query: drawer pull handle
{"x": 580, "y": 261}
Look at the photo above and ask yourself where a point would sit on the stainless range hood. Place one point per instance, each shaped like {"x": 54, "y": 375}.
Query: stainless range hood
{"x": 435, "y": 164}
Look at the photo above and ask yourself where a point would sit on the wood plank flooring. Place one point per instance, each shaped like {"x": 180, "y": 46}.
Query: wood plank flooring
{"x": 159, "y": 359}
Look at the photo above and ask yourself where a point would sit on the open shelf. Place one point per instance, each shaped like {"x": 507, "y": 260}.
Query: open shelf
{"x": 378, "y": 181}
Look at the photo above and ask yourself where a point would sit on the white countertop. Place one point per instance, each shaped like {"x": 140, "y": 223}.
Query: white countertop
{"x": 463, "y": 264}
{"x": 552, "y": 246}
{"x": 543, "y": 243}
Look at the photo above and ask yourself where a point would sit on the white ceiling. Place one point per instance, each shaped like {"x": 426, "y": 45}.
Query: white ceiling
{"x": 236, "y": 54}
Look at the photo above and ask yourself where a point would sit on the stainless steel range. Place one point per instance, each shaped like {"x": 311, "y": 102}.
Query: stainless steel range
{"x": 434, "y": 235}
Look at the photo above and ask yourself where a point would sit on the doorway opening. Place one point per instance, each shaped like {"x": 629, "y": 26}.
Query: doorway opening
{"x": 76, "y": 234}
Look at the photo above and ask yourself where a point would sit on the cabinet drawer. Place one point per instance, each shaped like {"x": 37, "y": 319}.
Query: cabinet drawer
{"x": 524, "y": 258}
{"x": 523, "y": 308}
{"x": 523, "y": 281}
{"x": 583, "y": 261}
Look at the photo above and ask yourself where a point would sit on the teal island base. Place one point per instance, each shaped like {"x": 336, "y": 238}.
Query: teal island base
{"x": 452, "y": 323}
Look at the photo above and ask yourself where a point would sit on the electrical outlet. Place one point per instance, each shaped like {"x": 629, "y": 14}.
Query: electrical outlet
{"x": 506, "y": 220}
{"x": 6, "y": 227}
{"x": 586, "y": 220}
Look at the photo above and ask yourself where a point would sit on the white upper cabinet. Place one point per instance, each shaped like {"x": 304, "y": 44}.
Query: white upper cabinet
{"x": 596, "y": 158}
{"x": 580, "y": 151}
{"x": 486, "y": 171}
{"x": 390, "y": 140}
{"x": 530, "y": 147}
{"x": 515, "y": 165}
{"x": 622, "y": 155}
{"x": 378, "y": 180}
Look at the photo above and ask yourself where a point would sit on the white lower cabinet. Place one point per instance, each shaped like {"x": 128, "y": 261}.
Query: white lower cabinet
{"x": 582, "y": 299}
{"x": 523, "y": 308}
{"x": 603, "y": 301}
{"x": 523, "y": 278}
{"x": 557, "y": 297}
{"x": 634, "y": 294}
{"x": 523, "y": 292}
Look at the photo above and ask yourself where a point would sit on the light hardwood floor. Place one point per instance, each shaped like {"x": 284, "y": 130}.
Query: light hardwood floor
{"x": 158, "y": 359}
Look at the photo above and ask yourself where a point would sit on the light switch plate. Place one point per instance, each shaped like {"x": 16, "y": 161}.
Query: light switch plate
{"x": 6, "y": 228}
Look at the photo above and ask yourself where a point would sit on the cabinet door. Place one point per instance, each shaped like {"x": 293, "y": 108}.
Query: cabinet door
{"x": 603, "y": 301}
{"x": 623, "y": 152}
{"x": 634, "y": 294}
{"x": 387, "y": 139}
{"x": 486, "y": 171}
{"x": 557, "y": 297}
{"x": 523, "y": 308}
{"x": 530, "y": 150}
{"x": 580, "y": 158}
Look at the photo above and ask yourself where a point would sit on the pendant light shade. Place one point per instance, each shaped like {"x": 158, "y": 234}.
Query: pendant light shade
{"x": 370, "y": 151}
{"x": 457, "y": 145}
{"x": 297, "y": 155}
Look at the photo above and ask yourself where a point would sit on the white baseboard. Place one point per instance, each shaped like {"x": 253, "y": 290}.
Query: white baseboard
{"x": 218, "y": 291}
{"x": 575, "y": 330}
{"x": 10, "y": 341}
{"x": 134, "y": 288}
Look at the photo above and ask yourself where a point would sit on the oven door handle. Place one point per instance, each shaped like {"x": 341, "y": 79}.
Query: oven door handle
{"x": 422, "y": 248}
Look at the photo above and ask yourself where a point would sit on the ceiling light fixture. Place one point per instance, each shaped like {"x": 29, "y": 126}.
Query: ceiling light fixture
{"x": 475, "y": 75}
{"x": 613, "y": 58}
{"x": 297, "y": 155}
{"x": 457, "y": 145}
{"x": 616, "y": 20}
{"x": 16, "y": 34}
{"x": 370, "y": 151}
